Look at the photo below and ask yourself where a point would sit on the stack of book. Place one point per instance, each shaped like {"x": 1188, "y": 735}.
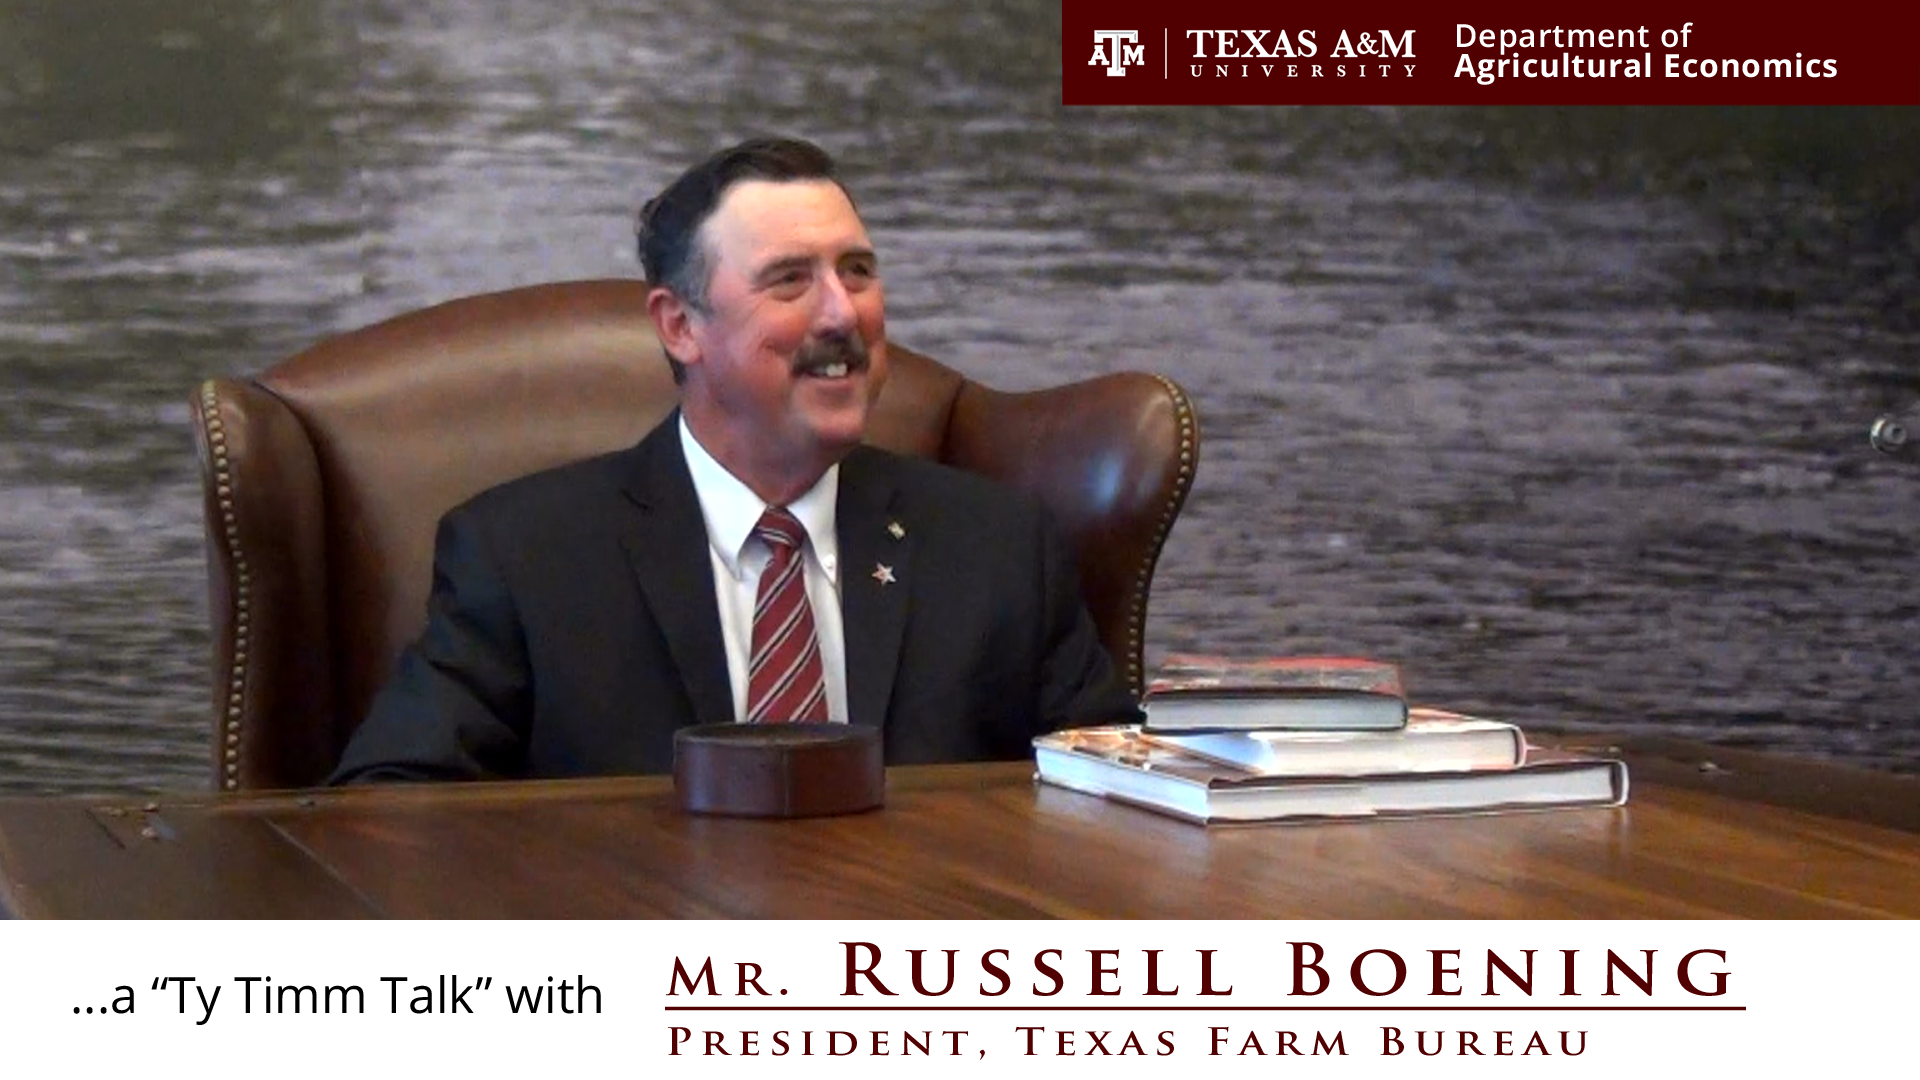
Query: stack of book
{"x": 1314, "y": 737}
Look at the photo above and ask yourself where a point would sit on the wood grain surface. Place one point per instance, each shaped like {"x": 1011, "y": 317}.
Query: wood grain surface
{"x": 1767, "y": 838}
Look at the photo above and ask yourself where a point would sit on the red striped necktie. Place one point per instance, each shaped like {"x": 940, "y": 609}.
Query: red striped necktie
{"x": 785, "y": 681}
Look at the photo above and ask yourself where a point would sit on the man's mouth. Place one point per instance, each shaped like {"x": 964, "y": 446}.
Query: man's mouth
{"x": 833, "y": 357}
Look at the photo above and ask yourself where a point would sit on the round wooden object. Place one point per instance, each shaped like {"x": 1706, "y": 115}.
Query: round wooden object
{"x": 778, "y": 770}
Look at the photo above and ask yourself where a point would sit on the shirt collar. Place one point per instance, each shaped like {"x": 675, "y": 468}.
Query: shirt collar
{"x": 731, "y": 509}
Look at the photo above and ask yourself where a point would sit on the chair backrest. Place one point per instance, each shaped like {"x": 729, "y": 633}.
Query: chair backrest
{"x": 325, "y": 477}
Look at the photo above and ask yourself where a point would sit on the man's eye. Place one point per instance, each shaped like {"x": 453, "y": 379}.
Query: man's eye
{"x": 788, "y": 279}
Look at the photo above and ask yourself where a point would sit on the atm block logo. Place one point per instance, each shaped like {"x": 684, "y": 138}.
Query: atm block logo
{"x": 1115, "y": 49}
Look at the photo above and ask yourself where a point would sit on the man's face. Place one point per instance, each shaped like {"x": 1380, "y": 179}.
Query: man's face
{"x": 791, "y": 350}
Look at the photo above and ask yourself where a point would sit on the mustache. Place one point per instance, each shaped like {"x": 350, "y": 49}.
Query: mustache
{"x": 848, "y": 348}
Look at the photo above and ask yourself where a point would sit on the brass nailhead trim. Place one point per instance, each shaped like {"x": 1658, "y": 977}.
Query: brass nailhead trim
{"x": 1189, "y": 434}
{"x": 230, "y": 528}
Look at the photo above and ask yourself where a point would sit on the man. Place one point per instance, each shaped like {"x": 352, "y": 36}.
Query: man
{"x": 749, "y": 560}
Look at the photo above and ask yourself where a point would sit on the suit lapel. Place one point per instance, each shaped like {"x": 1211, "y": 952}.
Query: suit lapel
{"x": 666, "y": 541}
{"x": 873, "y": 610}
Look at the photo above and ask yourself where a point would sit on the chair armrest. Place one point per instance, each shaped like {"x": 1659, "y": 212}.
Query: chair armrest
{"x": 272, "y": 649}
{"x": 1112, "y": 458}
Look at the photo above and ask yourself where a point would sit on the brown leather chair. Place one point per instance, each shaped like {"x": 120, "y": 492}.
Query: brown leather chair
{"x": 326, "y": 475}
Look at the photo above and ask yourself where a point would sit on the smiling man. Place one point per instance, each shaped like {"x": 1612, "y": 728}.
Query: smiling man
{"x": 750, "y": 560}
{"x": 782, "y": 348}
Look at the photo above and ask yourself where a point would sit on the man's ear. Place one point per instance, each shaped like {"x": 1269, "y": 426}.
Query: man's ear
{"x": 673, "y": 323}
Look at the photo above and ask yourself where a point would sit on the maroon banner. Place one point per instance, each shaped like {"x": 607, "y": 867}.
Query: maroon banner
{"x": 1480, "y": 53}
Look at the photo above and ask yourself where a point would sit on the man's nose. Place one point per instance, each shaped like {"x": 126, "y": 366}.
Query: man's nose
{"x": 835, "y": 311}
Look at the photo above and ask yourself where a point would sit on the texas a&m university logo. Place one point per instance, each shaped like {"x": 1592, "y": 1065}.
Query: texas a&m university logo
{"x": 1116, "y": 49}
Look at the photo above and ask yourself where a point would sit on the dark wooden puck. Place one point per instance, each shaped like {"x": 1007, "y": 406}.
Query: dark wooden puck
{"x": 778, "y": 770}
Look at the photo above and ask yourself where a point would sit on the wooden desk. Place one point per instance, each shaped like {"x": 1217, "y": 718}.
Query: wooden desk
{"x": 1750, "y": 836}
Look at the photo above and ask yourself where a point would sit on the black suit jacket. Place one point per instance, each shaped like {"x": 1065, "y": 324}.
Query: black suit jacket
{"x": 572, "y": 626}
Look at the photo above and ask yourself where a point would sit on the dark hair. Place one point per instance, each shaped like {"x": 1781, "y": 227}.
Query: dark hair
{"x": 669, "y": 226}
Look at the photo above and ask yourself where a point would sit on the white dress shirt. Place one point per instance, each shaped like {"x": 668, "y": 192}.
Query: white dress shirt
{"x": 731, "y": 510}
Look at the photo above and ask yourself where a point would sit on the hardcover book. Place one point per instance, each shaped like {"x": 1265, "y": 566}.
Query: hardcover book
{"x": 1120, "y": 763}
{"x": 1433, "y": 741}
{"x": 1210, "y": 693}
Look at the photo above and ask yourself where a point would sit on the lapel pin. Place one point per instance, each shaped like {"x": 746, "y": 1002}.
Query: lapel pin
{"x": 883, "y": 573}
{"x": 896, "y": 530}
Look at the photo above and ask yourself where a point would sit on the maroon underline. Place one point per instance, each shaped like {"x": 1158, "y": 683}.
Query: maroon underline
{"x": 1205, "y": 1008}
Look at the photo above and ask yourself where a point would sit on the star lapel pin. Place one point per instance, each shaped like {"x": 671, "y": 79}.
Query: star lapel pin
{"x": 883, "y": 573}
{"x": 896, "y": 530}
